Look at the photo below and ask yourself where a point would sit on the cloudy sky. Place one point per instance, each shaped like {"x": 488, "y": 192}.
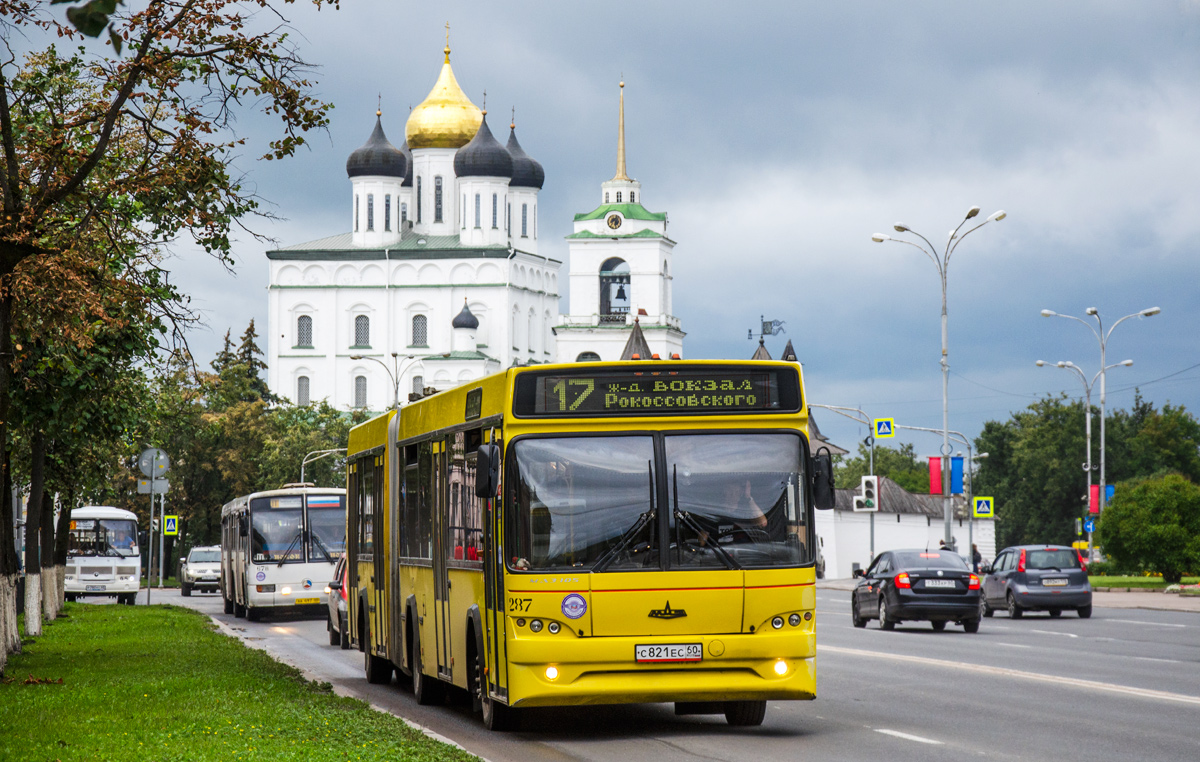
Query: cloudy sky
{"x": 780, "y": 136}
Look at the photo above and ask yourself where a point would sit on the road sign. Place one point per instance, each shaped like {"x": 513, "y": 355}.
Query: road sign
{"x": 153, "y": 462}
{"x": 171, "y": 525}
{"x": 984, "y": 507}
{"x": 1078, "y": 526}
{"x": 153, "y": 486}
{"x": 885, "y": 428}
{"x": 1089, "y": 525}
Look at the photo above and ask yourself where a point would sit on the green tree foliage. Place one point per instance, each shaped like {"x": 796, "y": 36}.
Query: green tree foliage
{"x": 1153, "y": 525}
{"x": 900, "y": 464}
{"x": 1035, "y": 461}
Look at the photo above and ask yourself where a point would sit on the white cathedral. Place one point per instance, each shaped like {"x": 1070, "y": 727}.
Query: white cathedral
{"x": 440, "y": 281}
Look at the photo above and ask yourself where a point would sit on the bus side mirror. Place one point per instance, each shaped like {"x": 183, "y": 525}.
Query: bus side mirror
{"x": 487, "y": 470}
{"x": 822, "y": 471}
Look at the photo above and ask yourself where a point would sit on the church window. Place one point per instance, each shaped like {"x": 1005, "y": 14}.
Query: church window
{"x": 476, "y": 210}
{"x": 403, "y": 214}
{"x": 355, "y": 212}
{"x": 387, "y": 211}
{"x": 360, "y": 391}
{"x": 524, "y": 220}
{"x": 304, "y": 331}
{"x": 618, "y": 197}
{"x": 508, "y": 217}
{"x": 420, "y": 331}
{"x": 535, "y": 220}
{"x": 418, "y": 199}
{"x": 632, "y": 197}
{"x": 362, "y": 331}
{"x": 302, "y": 392}
{"x": 462, "y": 212}
{"x": 437, "y": 198}
{"x": 587, "y": 357}
{"x": 495, "y": 219}
{"x": 615, "y": 291}
{"x": 532, "y": 335}
{"x": 606, "y": 197}
{"x": 370, "y": 211}
{"x": 418, "y": 384}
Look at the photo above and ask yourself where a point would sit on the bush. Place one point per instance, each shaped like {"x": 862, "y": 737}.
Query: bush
{"x": 1153, "y": 525}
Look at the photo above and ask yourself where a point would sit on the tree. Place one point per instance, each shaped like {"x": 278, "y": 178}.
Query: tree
{"x": 1154, "y": 525}
{"x": 899, "y": 464}
{"x": 133, "y": 150}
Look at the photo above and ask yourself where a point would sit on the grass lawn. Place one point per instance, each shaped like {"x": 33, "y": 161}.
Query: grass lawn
{"x": 160, "y": 683}
{"x": 1150, "y": 582}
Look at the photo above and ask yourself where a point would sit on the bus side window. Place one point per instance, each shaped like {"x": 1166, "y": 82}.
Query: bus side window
{"x": 409, "y": 540}
{"x": 352, "y": 515}
{"x": 424, "y": 533}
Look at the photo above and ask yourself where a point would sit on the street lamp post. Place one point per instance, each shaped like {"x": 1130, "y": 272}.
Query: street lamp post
{"x": 396, "y": 372}
{"x": 942, "y": 262}
{"x": 1102, "y": 336}
{"x": 317, "y": 455}
{"x": 958, "y": 437}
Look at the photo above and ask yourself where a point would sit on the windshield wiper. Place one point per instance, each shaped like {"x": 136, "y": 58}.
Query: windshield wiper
{"x": 295, "y": 540}
{"x": 632, "y": 532}
{"x": 321, "y": 545}
{"x": 686, "y": 518}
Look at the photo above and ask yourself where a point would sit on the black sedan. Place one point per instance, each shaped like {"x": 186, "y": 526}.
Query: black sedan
{"x": 934, "y": 586}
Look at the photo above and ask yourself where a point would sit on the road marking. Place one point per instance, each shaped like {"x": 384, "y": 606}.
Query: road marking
{"x": 1072, "y": 682}
{"x": 1151, "y": 658}
{"x": 1152, "y": 624}
{"x": 907, "y": 736}
{"x": 1052, "y": 632}
{"x": 1012, "y": 645}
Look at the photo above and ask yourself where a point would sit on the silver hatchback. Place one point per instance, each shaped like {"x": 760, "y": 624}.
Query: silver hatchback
{"x": 1036, "y": 578}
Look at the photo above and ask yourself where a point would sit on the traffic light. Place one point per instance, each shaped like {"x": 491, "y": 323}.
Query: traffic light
{"x": 859, "y": 506}
{"x": 870, "y": 492}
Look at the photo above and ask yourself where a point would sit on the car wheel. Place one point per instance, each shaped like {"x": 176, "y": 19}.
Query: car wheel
{"x": 1055, "y": 612}
{"x": 70, "y": 598}
{"x": 971, "y": 625}
{"x": 1014, "y": 609}
{"x": 884, "y": 622}
{"x": 184, "y": 590}
{"x": 744, "y": 714}
{"x": 334, "y": 637}
{"x": 1085, "y": 612}
{"x": 938, "y": 626}
{"x": 984, "y": 608}
{"x": 343, "y": 633}
{"x": 854, "y": 616}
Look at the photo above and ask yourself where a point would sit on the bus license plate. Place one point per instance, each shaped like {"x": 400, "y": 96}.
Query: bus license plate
{"x": 1055, "y": 582}
{"x": 94, "y": 588}
{"x": 302, "y": 601}
{"x": 669, "y": 652}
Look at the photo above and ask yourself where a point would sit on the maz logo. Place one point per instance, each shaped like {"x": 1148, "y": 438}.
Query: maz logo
{"x": 668, "y": 612}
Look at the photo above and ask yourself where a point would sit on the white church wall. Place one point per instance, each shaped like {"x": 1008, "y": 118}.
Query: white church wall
{"x": 428, "y": 164}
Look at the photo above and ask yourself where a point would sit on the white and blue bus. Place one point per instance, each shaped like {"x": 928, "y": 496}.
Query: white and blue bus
{"x": 279, "y": 547}
{"x": 103, "y": 559}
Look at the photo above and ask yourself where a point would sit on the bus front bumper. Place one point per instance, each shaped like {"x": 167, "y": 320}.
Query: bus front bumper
{"x": 595, "y": 670}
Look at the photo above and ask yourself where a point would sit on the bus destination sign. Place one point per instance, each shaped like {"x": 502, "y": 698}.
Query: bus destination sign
{"x": 694, "y": 391}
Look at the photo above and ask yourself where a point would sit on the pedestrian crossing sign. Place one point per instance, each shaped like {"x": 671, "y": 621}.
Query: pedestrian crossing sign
{"x": 885, "y": 428}
{"x": 984, "y": 507}
{"x": 170, "y": 525}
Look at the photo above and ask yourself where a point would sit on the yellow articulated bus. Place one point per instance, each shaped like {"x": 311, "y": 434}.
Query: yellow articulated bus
{"x": 593, "y": 533}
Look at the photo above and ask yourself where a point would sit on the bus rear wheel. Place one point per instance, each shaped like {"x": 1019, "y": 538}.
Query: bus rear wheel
{"x": 377, "y": 669}
{"x": 745, "y": 713}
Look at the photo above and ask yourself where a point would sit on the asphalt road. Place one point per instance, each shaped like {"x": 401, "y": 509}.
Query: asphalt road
{"x": 1124, "y": 684}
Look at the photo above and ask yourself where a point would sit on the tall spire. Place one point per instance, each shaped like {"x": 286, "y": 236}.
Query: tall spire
{"x": 621, "y": 139}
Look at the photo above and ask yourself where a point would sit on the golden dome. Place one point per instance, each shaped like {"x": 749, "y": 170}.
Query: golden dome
{"x": 446, "y": 118}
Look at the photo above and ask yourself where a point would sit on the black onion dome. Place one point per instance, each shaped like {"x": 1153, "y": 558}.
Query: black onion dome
{"x": 408, "y": 181}
{"x": 377, "y": 157}
{"x": 527, "y": 173}
{"x": 483, "y": 156}
{"x": 465, "y": 319}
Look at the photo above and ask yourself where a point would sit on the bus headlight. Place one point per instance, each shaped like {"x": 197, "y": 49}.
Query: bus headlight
{"x": 794, "y": 620}
{"x": 536, "y": 625}
{"x": 551, "y": 673}
{"x": 781, "y": 667}
{"x": 285, "y": 591}
{"x": 553, "y": 628}
{"x": 777, "y": 622}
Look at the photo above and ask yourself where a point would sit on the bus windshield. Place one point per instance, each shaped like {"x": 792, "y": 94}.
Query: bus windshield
{"x": 326, "y": 526}
{"x": 733, "y": 501}
{"x": 103, "y": 537}
{"x": 275, "y": 529}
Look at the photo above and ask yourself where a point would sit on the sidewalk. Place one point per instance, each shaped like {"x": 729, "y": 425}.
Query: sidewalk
{"x": 1142, "y": 599}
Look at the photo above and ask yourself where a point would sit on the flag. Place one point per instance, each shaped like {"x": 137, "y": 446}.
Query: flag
{"x": 935, "y": 476}
{"x": 956, "y": 476}
{"x": 1094, "y": 499}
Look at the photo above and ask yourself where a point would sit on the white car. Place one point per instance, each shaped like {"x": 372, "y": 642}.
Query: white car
{"x": 201, "y": 570}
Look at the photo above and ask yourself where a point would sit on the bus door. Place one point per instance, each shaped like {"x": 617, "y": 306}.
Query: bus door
{"x": 441, "y": 552}
{"x": 493, "y": 587}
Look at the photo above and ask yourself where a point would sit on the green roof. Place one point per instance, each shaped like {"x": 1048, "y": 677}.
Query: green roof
{"x": 628, "y": 211}
{"x": 639, "y": 234}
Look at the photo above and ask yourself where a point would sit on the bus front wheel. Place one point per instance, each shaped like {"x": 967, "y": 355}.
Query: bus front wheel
{"x": 496, "y": 716}
{"x": 745, "y": 713}
{"x": 228, "y": 605}
{"x": 427, "y": 690}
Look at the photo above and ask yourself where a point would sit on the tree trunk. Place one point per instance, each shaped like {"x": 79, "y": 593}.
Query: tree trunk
{"x": 49, "y": 585}
{"x": 33, "y": 517}
{"x": 62, "y": 541}
{"x": 9, "y": 565}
